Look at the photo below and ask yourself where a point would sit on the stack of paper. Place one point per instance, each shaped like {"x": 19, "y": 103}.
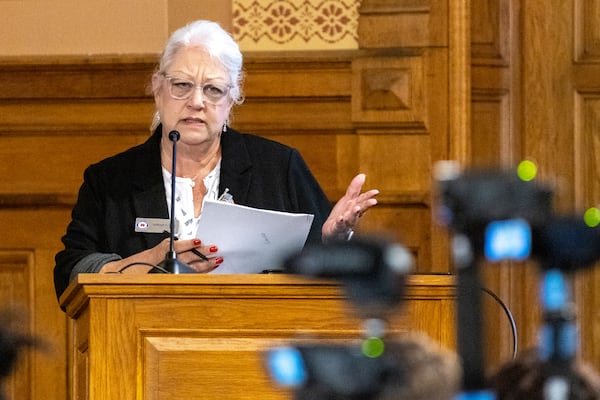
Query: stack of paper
{"x": 251, "y": 240}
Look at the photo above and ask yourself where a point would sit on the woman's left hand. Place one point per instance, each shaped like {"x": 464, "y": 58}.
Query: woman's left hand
{"x": 348, "y": 210}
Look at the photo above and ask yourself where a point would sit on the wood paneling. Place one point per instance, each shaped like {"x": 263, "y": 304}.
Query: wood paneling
{"x": 490, "y": 136}
{"x": 15, "y": 291}
{"x": 403, "y": 23}
{"x": 535, "y": 77}
{"x": 494, "y": 140}
{"x": 586, "y": 30}
{"x": 33, "y": 161}
{"x": 485, "y": 82}
{"x": 390, "y": 91}
{"x": 30, "y": 240}
{"x": 211, "y": 344}
{"x": 584, "y": 80}
{"x": 491, "y": 32}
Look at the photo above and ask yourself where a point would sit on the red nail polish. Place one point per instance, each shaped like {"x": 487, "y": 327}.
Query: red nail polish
{"x": 219, "y": 260}
{"x": 213, "y": 249}
{"x": 197, "y": 242}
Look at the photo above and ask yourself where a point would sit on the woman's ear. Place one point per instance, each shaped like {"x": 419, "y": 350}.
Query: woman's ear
{"x": 156, "y": 82}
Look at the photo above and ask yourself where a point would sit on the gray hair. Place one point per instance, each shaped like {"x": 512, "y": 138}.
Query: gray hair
{"x": 217, "y": 42}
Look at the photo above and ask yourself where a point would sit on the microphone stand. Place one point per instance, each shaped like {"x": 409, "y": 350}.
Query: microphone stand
{"x": 171, "y": 263}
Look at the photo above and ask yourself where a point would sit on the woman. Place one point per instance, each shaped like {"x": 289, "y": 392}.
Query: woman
{"x": 195, "y": 87}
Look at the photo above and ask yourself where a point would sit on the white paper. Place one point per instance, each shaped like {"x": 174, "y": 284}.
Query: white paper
{"x": 251, "y": 240}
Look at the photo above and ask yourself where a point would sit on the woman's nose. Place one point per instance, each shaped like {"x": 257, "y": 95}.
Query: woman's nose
{"x": 196, "y": 100}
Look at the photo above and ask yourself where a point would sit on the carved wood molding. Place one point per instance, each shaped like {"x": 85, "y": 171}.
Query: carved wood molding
{"x": 389, "y": 92}
{"x": 35, "y": 200}
{"x": 459, "y": 80}
{"x": 55, "y": 95}
{"x": 587, "y": 31}
{"x": 394, "y": 24}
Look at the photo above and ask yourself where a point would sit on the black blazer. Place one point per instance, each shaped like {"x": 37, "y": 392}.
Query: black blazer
{"x": 258, "y": 172}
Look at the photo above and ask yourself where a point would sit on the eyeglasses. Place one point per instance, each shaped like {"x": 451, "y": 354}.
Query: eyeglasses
{"x": 182, "y": 89}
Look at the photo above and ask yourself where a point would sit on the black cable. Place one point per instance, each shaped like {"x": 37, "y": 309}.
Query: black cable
{"x": 508, "y": 314}
{"x": 159, "y": 268}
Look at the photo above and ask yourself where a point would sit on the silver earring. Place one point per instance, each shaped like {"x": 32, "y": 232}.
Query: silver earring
{"x": 155, "y": 121}
{"x": 225, "y": 127}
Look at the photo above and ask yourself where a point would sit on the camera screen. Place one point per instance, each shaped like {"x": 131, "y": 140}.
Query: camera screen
{"x": 286, "y": 366}
{"x": 507, "y": 240}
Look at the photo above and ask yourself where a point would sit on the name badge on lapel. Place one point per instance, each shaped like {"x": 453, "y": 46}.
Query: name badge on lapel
{"x": 153, "y": 225}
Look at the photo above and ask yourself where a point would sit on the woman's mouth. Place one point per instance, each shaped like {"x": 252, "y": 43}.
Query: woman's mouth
{"x": 193, "y": 121}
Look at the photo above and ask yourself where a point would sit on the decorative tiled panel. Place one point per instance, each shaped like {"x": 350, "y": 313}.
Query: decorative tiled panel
{"x": 295, "y": 24}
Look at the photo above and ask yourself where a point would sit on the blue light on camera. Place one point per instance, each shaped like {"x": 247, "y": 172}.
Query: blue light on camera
{"x": 507, "y": 240}
{"x": 286, "y": 367}
{"x": 559, "y": 341}
{"x": 555, "y": 291}
{"x": 476, "y": 395}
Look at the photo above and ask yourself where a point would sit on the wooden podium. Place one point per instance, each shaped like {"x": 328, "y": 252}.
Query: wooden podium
{"x": 176, "y": 337}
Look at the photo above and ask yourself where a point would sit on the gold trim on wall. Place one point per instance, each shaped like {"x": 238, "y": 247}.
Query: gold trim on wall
{"x": 295, "y": 25}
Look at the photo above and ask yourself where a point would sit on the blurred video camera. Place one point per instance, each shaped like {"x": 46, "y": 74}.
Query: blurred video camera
{"x": 318, "y": 372}
{"x": 372, "y": 273}
{"x": 508, "y": 218}
{"x": 504, "y": 216}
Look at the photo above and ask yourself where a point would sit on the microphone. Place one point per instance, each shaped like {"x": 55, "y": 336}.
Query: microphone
{"x": 171, "y": 263}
